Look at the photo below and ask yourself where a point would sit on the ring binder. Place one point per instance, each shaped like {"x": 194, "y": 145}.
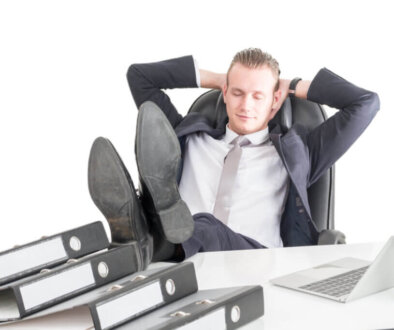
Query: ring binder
{"x": 131, "y": 299}
{"x": 228, "y": 308}
{"x": 29, "y": 295}
{"x": 117, "y": 311}
{"x": 30, "y": 258}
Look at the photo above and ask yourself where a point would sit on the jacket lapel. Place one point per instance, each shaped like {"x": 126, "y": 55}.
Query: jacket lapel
{"x": 295, "y": 176}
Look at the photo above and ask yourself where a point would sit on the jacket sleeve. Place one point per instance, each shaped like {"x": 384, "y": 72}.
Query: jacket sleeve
{"x": 148, "y": 80}
{"x": 330, "y": 140}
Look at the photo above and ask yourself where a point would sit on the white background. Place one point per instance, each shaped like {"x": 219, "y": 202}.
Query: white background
{"x": 63, "y": 83}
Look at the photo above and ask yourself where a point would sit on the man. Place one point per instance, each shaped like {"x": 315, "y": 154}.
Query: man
{"x": 244, "y": 183}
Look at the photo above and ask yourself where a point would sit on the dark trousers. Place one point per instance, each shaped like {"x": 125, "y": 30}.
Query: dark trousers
{"x": 210, "y": 234}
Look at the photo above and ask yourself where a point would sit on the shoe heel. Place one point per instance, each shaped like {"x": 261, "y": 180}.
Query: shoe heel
{"x": 177, "y": 222}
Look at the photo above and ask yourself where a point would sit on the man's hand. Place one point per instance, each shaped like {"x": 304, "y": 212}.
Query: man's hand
{"x": 209, "y": 79}
{"x": 284, "y": 84}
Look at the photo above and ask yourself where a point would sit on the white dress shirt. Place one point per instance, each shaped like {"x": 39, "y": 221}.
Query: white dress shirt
{"x": 260, "y": 187}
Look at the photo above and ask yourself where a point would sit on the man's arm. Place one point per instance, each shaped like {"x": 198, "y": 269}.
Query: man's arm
{"x": 148, "y": 80}
{"x": 300, "y": 92}
{"x": 330, "y": 140}
{"x": 209, "y": 79}
{"x": 302, "y": 89}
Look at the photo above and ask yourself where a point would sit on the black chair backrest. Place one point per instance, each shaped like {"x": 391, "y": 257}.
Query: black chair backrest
{"x": 304, "y": 112}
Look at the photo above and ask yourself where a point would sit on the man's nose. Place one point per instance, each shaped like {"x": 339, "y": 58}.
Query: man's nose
{"x": 247, "y": 103}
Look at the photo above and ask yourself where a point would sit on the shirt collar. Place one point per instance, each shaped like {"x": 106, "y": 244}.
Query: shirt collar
{"x": 255, "y": 138}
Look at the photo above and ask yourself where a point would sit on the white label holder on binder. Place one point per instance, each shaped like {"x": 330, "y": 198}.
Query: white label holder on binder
{"x": 32, "y": 256}
{"x": 125, "y": 306}
{"x": 41, "y": 291}
{"x": 214, "y": 320}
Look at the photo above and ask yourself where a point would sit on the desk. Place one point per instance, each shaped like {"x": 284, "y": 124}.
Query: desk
{"x": 284, "y": 309}
{"x": 288, "y": 309}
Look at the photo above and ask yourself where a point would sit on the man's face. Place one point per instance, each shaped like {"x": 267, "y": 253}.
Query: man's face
{"x": 249, "y": 98}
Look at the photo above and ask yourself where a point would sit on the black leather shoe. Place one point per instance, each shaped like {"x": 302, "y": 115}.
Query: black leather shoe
{"x": 112, "y": 190}
{"x": 158, "y": 158}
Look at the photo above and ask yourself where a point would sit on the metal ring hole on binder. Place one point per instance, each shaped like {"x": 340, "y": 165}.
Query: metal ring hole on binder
{"x": 138, "y": 278}
{"x": 114, "y": 287}
{"x": 103, "y": 269}
{"x": 45, "y": 270}
{"x": 205, "y": 302}
{"x": 179, "y": 314}
{"x": 75, "y": 243}
{"x": 170, "y": 287}
{"x": 235, "y": 314}
{"x": 71, "y": 261}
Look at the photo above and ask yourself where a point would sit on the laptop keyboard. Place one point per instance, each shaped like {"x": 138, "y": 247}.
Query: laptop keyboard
{"x": 338, "y": 285}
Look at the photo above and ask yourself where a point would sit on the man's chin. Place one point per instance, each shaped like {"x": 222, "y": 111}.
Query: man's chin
{"x": 244, "y": 130}
{"x": 245, "y": 127}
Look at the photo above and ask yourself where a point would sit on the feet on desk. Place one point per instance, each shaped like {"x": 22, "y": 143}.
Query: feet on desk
{"x": 113, "y": 192}
{"x": 158, "y": 158}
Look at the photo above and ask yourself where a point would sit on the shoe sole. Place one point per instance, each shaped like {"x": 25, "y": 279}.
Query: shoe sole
{"x": 113, "y": 192}
{"x": 160, "y": 176}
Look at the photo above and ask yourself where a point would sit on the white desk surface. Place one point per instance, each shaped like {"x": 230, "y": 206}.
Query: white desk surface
{"x": 284, "y": 309}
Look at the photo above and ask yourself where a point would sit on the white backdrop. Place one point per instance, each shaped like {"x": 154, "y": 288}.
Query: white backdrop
{"x": 63, "y": 83}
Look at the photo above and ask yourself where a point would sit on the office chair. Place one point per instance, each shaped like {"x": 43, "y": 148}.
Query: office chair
{"x": 309, "y": 114}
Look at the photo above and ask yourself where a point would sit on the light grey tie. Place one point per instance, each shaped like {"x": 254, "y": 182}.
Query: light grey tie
{"x": 223, "y": 201}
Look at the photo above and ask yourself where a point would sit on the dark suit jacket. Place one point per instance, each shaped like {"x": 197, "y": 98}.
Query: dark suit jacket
{"x": 305, "y": 154}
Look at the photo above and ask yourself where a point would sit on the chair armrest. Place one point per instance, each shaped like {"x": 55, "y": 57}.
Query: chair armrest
{"x": 330, "y": 236}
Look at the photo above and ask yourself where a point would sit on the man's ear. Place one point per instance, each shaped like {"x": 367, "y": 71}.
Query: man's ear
{"x": 276, "y": 104}
{"x": 224, "y": 91}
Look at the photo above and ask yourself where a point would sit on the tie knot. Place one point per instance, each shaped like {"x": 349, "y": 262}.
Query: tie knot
{"x": 240, "y": 141}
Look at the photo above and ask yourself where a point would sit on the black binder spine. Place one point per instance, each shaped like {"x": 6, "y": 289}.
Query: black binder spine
{"x": 76, "y": 243}
{"x": 251, "y": 307}
{"x": 175, "y": 283}
{"x": 98, "y": 270}
{"x": 92, "y": 237}
{"x": 240, "y": 308}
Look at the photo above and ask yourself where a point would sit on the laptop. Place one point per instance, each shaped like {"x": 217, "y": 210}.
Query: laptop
{"x": 345, "y": 279}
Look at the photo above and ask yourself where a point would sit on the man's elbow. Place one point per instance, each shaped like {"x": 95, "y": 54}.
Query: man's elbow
{"x": 139, "y": 86}
{"x": 133, "y": 75}
{"x": 370, "y": 105}
{"x": 375, "y": 102}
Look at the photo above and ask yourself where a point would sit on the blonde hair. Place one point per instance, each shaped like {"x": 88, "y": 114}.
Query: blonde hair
{"x": 255, "y": 58}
